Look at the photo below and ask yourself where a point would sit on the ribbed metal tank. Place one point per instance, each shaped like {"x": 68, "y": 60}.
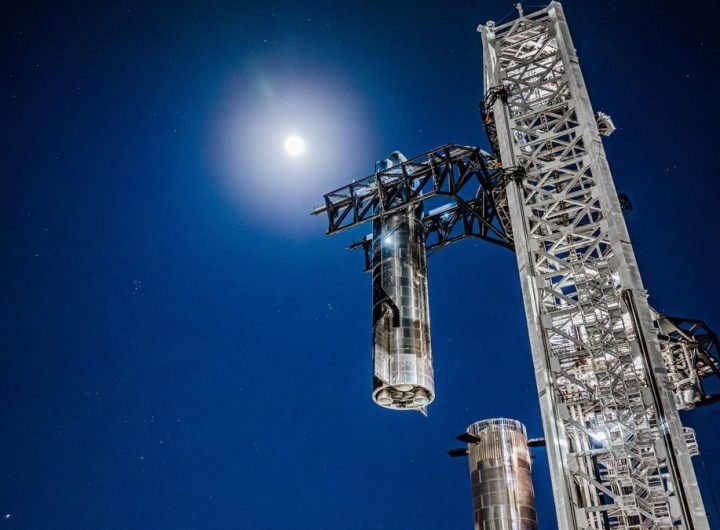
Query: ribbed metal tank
{"x": 503, "y": 497}
{"x": 402, "y": 357}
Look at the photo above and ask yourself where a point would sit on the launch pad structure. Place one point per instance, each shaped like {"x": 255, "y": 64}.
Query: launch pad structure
{"x": 611, "y": 372}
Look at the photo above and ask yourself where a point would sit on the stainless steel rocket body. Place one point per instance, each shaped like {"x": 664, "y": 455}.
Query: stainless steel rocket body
{"x": 503, "y": 496}
{"x": 402, "y": 356}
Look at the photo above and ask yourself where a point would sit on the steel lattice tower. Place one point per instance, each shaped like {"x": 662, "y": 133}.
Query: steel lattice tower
{"x": 617, "y": 450}
{"x": 611, "y": 372}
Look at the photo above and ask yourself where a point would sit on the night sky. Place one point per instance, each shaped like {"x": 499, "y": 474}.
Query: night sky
{"x": 181, "y": 346}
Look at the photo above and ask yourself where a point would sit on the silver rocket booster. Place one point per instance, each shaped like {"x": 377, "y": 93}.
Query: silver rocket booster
{"x": 502, "y": 490}
{"x": 402, "y": 356}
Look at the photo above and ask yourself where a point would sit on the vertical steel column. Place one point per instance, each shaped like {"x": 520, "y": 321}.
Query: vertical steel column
{"x": 616, "y": 447}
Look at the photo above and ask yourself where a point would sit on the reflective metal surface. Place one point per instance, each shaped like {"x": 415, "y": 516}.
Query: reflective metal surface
{"x": 615, "y": 441}
{"x": 503, "y": 497}
{"x": 403, "y": 375}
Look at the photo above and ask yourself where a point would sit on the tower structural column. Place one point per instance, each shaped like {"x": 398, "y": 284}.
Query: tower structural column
{"x": 616, "y": 446}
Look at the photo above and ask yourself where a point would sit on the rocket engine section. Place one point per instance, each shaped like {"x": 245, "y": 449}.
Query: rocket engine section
{"x": 503, "y": 496}
{"x": 402, "y": 357}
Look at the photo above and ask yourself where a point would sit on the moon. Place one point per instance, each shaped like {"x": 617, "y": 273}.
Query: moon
{"x": 294, "y": 145}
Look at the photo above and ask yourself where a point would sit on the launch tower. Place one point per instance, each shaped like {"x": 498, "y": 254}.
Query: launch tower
{"x": 611, "y": 372}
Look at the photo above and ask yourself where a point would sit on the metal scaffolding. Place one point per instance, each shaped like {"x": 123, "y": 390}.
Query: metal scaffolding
{"x": 617, "y": 449}
{"x": 460, "y": 177}
{"x": 611, "y": 372}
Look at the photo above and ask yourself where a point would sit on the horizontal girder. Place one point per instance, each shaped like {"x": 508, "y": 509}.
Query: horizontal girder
{"x": 460, "y": 178}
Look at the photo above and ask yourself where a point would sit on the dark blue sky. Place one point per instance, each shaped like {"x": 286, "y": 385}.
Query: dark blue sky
{"x": 182, "y": 347}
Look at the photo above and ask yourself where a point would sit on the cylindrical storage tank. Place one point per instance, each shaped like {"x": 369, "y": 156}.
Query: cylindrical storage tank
{"x": 502, "y": 490}
{"x": 402, "y": 358}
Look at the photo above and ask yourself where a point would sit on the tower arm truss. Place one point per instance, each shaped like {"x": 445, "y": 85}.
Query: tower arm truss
{"x": 451, "y": 223}
{"x": 465, "y": 175}
{"x": 446, "y": 170}
{"x": 461, "y": 178}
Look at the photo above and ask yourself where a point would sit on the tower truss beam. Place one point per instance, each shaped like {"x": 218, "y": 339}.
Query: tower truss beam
{"x": 463, "y": 175}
